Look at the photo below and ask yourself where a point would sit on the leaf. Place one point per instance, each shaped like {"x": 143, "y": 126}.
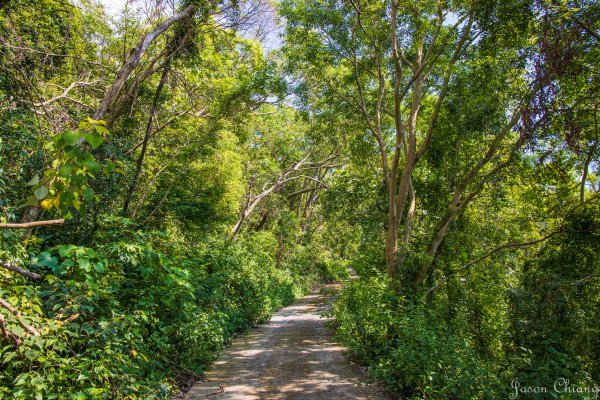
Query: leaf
{"x": 76, "y": 204}
{"x": 101, "y": 130}
{"x": 65, "y": 171}
{"x": 34, "y": 181}
{"x": 56, "y": 138}
{"x": 85, "y": 125}
{"x": 84, "y": 263}
{"x": 66, "y": 250}
{"x": 71, "y": 137}
{"x": 99, "y": 267}
{"x": 40, "y": 192}
{"x": 108, "y": 167}
{"x": 31, "y": 201}
{"x": 93, "y": 139}
{"x": 88, "y": 194}
{"x": 92, "y": 166}
{"x": 46, "y": 259}
{"x": 81, "y": 377}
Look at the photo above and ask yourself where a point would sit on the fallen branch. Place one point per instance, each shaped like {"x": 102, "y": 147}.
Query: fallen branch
{"x": 27, "y": 225}
{"x": 221, "y": 390}
{"x": 17, "y": 315}
{"x": 20, "y": 271}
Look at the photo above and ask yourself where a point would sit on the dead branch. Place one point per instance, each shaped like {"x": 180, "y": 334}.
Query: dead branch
{"x": 284, "y": 178}
{"x": 65, "y": 94}
{"x": 18, "y": 317}
{"x": 20, "y": 271}
{"x": 34, "y": 224}
{"x": 49, "y": 54}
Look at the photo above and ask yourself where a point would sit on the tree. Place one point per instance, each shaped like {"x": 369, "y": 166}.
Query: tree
{"x": 393, "y": 63}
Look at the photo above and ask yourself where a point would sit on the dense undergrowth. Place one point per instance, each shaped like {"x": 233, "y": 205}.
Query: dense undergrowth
{"x": 538, "y": 331}
{"x": 190, "y": 171}
{"x": 131, "y": 315}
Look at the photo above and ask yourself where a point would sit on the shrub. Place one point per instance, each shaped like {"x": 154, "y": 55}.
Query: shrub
{"x": 412, "y": 352}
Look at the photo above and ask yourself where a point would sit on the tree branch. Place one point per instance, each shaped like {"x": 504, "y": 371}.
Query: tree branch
{"x": 17, "y": 315}
{"x": 20, "y": 271}
{"x": 27, "y": 225}
{"x": 489, "y": 254}
{"x": 134, "y": 58}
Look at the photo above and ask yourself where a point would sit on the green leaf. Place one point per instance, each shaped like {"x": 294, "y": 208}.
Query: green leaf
{"x": 101, "y": 130}
{"x": 91, "y": 253}
{"x": 66, "y": 250}
{"x": 34, "y": 181}
{"x": 65, "y": 171}
{"x": 108, "y": 167}
{"x": 85, "y": 125}
{"x": 99, "y": 267}
{"x": 46, "y": 259}
{"x": 71, "y": 137}
{"x": 93, "y": 139}
{"x": 79, "y": 180}
{"x": 92, "y": 166}
{"x": 31, "y": 201}
{"x": 84, "y": 263}
{"x": 40, "y": 192}
{"x": 56, "y": 138}
{"x": 88, "y": 194}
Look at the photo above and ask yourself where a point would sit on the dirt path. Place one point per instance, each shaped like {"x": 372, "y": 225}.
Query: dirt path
{"x": 292, "y": 357}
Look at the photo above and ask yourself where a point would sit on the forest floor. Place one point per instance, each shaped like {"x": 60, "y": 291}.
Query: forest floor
{"x": 293, "y": 356}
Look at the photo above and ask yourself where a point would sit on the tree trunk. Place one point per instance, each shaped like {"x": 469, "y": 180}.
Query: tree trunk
{"x": 132, "y": 61}
{"x": 391, "y": 249}
{"x": 140, "y": 161}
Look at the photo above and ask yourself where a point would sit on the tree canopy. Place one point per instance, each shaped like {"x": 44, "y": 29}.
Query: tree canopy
{"x": 175, "y": 172}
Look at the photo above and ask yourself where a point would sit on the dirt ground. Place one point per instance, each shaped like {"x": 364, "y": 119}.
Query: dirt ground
{"x": 292, "y": 357}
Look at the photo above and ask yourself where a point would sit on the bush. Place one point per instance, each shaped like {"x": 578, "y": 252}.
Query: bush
{"x": 412, "y": 352}
{"x": 121, "y": 320}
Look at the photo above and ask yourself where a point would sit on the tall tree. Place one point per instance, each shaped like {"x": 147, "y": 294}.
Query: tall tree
{"x": 393, "y": 64}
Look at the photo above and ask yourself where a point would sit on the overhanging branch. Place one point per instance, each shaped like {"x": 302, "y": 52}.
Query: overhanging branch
{"x": 34, "y": 224}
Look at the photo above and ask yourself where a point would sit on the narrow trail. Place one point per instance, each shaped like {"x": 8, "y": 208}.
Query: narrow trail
{"x": 292, "y": 357}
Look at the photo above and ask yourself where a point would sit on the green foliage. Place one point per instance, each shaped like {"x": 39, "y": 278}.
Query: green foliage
{"x": 557, "y": 305}
{"x": 408, "y": 348}
{"x": 147, "y": 281}
{"x": 66, "y": 183}
{"x": 124, "y": 318}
